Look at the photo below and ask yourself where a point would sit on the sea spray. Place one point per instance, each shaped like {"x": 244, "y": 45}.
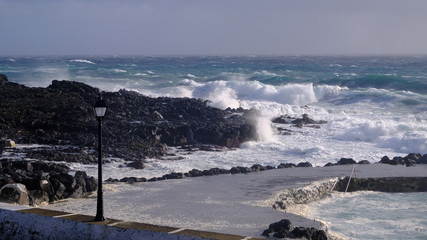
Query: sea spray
{"x": 264, "y": 129}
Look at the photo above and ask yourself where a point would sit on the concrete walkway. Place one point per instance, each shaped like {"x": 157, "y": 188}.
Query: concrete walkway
{"x": 230, "y": 204}
{"x": 216, "y": 207}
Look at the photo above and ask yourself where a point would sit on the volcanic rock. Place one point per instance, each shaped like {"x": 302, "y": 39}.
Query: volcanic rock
{"x": 135, "y": 126}
{"x": 14, "y": 193}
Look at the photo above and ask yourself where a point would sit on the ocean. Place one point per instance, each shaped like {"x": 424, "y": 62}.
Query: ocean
{"x": 374, "y": 105}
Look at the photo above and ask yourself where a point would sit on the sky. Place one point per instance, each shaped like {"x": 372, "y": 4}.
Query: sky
{"x": 213, "y": 27}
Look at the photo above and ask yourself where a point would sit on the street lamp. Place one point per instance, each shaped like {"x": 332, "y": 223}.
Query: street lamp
{"x": 100, "y": 108}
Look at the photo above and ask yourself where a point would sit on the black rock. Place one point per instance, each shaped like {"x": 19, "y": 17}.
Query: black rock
{"x": 309, "y": 233}
{"x": 91, "y": 184}
{"x": 244, "y": 169}
{"x": 329, "y": 164}
{"x": 59, "y": 188}
{"x": 234, "y": 170}
{"x": 362, "y": 162}
{"x": 282, "y": 120}
{"x": 138, "y": 164}
{"x": 304, "y": 164}
{"x": 346, "y": 161}
{"x": 286, "y": 165}
{"x": 38, "y": 197}
{"x": 174, "y": 176}
{"x": 136, "y": 126}
{"x": 215, "y": 171}
{"x": 195, "y": 173}
{"x": 279, "y": 229}
{"x": 387, "y": 160}
{"x": 422, "y": 160}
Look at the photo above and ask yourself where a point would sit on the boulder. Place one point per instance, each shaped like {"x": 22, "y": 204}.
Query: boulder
{"x": 215, "y": 171}
{"x": 280, "y": 229}
{"x": 59, "y": 188}
{"x": 80, "y": 178}
{"x": 422, "y": 160}
{"x": 67, "y": 180}
{"x": 138, "y": 164}
{"x": 284, "y": 229}
{"x": 91, "y": 184}
{"x": 195, "y": 173}
{"x": 346, "y": 161}
{"x": 309, "y": 233}
{"x": 258, "y": 168}
{"x": 38, "y": 197}
{"x": 174, "y": 176}
{"x": 286, "y": 165}
{"x": 362, "y": 162}
{"x": 387, "y": 160}
{"x": 304, "y": 164}
{"x": 14, "y": 193}
{"x": 234, "y": 170}
{"x": 282, "y": 120}
{"x": 329, "y": 164}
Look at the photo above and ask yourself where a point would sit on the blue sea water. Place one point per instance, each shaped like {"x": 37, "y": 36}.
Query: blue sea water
{"x": 377, "y": 104}
{"x": 374, "y": 105}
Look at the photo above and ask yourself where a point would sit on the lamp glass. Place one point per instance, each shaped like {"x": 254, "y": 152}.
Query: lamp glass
{"x": 100, "y": 111}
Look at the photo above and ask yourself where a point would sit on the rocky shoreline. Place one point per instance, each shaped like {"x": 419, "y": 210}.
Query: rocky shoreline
{"x": 137, "y": 127}
{"x": 141, "y": 127}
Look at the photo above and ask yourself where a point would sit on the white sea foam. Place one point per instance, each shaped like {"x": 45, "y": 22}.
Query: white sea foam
{"x": 119, "y": 70}
{"x": 367, "y": 215}
{"x": 225, "y": 94}
{"x": 82, "y": 61}
{"x": 140, "y": 74}
{"x": 265, "y": 73}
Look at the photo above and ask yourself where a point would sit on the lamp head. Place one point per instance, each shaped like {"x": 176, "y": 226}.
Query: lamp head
{"x": 100, "y": 108}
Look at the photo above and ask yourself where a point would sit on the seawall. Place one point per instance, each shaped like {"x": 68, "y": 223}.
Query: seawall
{"x": 315, "y": 191}
{"x": 386, "y": 184}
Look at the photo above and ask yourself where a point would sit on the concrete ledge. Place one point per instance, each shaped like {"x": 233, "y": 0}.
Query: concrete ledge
{"x": 211, "y": 235}
{"x": 38, "y": 223}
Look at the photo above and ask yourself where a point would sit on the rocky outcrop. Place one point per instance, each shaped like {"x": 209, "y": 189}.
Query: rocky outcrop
{"x": 391, "y": 184}
{"x": 43, "y": 182}
{"x": 410, "y": 160}
{"x": 305, "y": 120}
{"x": 284, "y": 229}
{"x": 135, "y": 127}
{"x": 347, "y": 161}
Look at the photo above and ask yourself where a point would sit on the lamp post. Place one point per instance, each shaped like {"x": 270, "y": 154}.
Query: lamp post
{"x": 100, "y": 108}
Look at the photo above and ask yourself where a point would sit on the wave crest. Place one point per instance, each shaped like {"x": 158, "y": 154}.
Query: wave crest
{"x": 225, "y": 94}
{"x": 82, "y": 61}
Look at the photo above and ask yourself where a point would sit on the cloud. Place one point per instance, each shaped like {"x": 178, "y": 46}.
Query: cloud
{"x": 213, "y": 27}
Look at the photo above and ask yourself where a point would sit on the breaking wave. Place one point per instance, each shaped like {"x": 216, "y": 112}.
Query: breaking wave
{"x": 82, "y": 61}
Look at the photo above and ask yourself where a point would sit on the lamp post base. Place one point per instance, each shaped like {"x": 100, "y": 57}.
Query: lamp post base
{"x": 99, "y": 218}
